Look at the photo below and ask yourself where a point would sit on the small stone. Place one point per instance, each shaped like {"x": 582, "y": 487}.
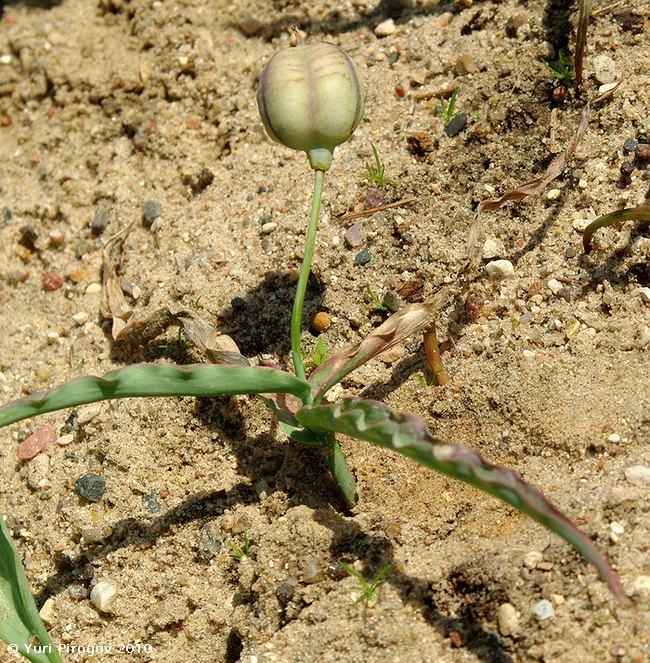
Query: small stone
{"x": 553, "y": 194}
{"x": 355, "y": 235}
{"x": 604, "y": 69}
{"x": 81, "y": 318}
{"x": 66, "y": 439}
{"x": 46, "y": 613}
{"x": 642, "y": 151}
{"x": 638, "y": 475}
{"x": 284, "y": 591}
{"x": 51, "y": 281}
{"x": 465, "y": 64}
{"x": 500, "y": 269}
{"x": 391, "y": 301}
{"x": 616, "y": 527}
{"x": 210, "y": 541}
{"x": 53, "y": 337}
{"x": 362, "y": 258}
{"x": 269, "y": 227}
{"x": 94, "y": 289}
{"x": 640, "y": 586}
{"x": 43, "y": 372}
{"x": 491, "y": 249}
{"x": 91, "y": 486}
{"x": 555, "y": 286}
{"x": 532, "y": 559}
{"x": 543, "y": 610}
{"x": 394, "y": 354}
{"x": 507, "y": 619}
{"x": 151, "y": 210}
{"x": 57, "y": 237}
{"x": 606, "y": 88}
{"x": 103, "y": 596}
{"x": 313, "y": 572}
{"x": 99, "y": 221}
{"x": 557, "y": 599}
{"x": 629, "y": 146}
{"x": 38, "y": 471}
{"x": 321, "y": 322}
{"x": 385, "y": 28}
{"x": 250, "y": 25}
{"x": 626, "y": 169}
{"x": 36, "y": 442}
{"x": 614, "y": 438}
{"x": 644, "y": 293}
{"x": 456, "y": 125}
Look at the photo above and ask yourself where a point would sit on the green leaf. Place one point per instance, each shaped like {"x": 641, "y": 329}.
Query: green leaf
{"x": 409, "y": 435}
{"x": 157, "y": 380}
{"x": 20, "y": 624}
{"x": 630, "y": 214}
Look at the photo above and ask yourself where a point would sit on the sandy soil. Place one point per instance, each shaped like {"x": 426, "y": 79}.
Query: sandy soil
{"x": 108, "y": 105}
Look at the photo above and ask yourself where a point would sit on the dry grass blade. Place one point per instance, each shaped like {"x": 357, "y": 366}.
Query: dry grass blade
{"x": 581, "y": 39}
{"x": 555, "y": 168}
{"x": 114, "y": 305}
{"x": 380, "y": 208}
{"x": 629, "y": 214}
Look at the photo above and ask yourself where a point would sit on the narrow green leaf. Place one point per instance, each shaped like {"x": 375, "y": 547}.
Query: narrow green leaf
{"x": 20, "y": 624}
{"x": 628, "y": 214}
{"x": 157, "y": 380}
{"x": 409, "y": 435}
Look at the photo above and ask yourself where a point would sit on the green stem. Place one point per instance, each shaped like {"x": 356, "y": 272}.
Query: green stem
{"x": 296, "y": 316}
{"x": 338, "y": 466}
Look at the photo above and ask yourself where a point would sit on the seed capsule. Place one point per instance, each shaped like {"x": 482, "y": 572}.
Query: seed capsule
{"x": 311, "y": 98}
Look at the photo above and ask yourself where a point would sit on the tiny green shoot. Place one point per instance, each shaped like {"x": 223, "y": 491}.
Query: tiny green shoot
{"x": 374, "y": 303}
{"x": 564, "y": 72}
{"x": 179, "y": 345}
{"x": 448, "y": 109}
{"x": 376, "y": 173}
{"x": 319, "y": 355}
{"x": 240, "y": 553}
{"x": 367, "y": 589}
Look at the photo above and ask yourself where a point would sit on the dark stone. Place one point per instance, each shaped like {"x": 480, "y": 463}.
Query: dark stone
{"x": 91, "y": 486}
{"x": 456, "y": 124}
{"x": 99, "y": 221}
{"x": 284, "y": 591}
{"x": 629, "y": 145}
{"x": 627, "y": 168}
{"x": 362, "y": 258}
{"x": 151, "y": 502}
{"x": 151, "y": 210}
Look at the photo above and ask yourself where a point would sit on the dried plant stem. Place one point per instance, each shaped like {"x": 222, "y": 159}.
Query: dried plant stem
{"x": 296, "y": 316}
{"x": 581, "y": 38}
{"x": 380, "y": 208}
{"x": 434, "y": 360}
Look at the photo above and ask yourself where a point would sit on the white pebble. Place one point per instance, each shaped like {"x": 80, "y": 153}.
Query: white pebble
{"x": 269, "y": 227}
{"x": 614, "y": 438}
{"x": 616, "y": 527}
{"x": 553, "y": 194}
{"x": 606, "y": 87}
{"x": 532, "y": 559}
{"x": 103, "y": 595}
{"x": 554, "y": 286}
{"x": 81, "y": 317}
{"x": 94, "y": 288}
{"x": 500, "y": 269}
{"x": 604, "y": 69}
{"x": 46, "y": 613}
{"x": 52, "y": 337}
{"x": 507, "y": 619}
{"x": 491, "y": 249}
{"x": 583, "y": 184}
{"x": 385, "y": 28}
{"x": 644, "y": 293}
{"x": 543, "y": 610}
{"x": 638, "y": 475}
{"x": 5, "y": 58}
{"x": 64, "y": 440}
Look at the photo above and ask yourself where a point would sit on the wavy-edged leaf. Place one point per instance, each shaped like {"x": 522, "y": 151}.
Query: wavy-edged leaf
{"x": 628, "y": 214}
{"x": 19, "y": 620}
{"x": 409, "y": 435}
{"x": 410, "y": 320}
{"x": 144, "y": 380}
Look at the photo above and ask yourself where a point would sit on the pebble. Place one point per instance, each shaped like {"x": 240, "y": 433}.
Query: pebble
{"x": 553, "y": 194}
{"x": 543, "y": 610}
{"x": 151, "y": 210}
{"x": 313, "y": 572}
{"x": 66, "y": 439}
{"x": 103, "y": 595}
{"x": 284, "y": 591}
{"x": 81, "y": 318}
{"x": 38, "y": 472}
{"x": 507, "y": 619}
{"x": 210, "y": 541}
{"x": 362, "y": 258}
{"x": 465, "y": 64}
{"x": 500, "y": 269}
{"x": 606, "y": 88}
{"x": 394, "y": 354}
{"x": 638, "y": 475}
{"x": 385, "y": 28}
{"x": 532, "y": 559}
{"x": 269, "y": 227}
{"x": 614, "y": 438}
{"x": 643, "y": 151}
{"x": 491, "y": 249}
{"x": 51, "y": 281}
{"x": 99, "y": 221}
{"x": 46, "y": 613}
{"x": 555, "y": 286}
{"x": 321, "y": 322}
{"x": 355, "y": 235}
{"x": 604, "y": 69}
{"x": 91, "y": 486}
{"x": 644, "y": 293}
{"x": 640, "y": 586}
{"x": 36, "y": 442}
{"x": 94, "y": 289}
{"x": 456, "y": 125}
{"x": 629, "y": 146}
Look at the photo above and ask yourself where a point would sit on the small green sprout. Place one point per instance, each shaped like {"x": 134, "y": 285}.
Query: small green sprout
{"x": 564, "y": 72}
{"x": 448, "y": 109}
{"x": 179, "y": 345}
{"x": 320, "y": 354}
{"x": 240, "y": 553}
{"x": 375, "y": 304}
{"x": 376, "y": 173}
{"x": 366, "y": 588}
